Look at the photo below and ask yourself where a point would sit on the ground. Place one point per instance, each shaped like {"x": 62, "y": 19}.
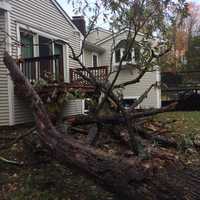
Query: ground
{"x": 185, "y": 127}
{"x": 50, "y": 181}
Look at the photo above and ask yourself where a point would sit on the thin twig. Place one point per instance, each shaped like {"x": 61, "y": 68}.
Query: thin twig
{"x": 6, "y": 146}
{"x": 12, "y": 162}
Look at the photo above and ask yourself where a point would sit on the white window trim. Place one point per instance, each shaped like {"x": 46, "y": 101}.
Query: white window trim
{"x": 121, "y": 54}
{"x": 36, "y": 49}
{"x": 66, "y": 63}
{"x": 37, "y": 34}
{"x": 158, "y": 89}
{"x": 85, "y": 111}
{"x": 95, "y": 54}
{"x": 42, "y": 33}
{"x": 132, "y": 97}
{"x": 10, "y": 82}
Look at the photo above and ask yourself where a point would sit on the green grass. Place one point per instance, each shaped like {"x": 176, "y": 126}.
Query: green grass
{"x": 47, "y": 182}
{"x": 55, "y": 182}
{"x": 185, "y": 128}
{"x": 184, "y": 122}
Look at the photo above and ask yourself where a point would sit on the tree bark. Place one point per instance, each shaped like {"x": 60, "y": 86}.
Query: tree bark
{"x": 129, "y": 178}
{"x": 117, "y": 118}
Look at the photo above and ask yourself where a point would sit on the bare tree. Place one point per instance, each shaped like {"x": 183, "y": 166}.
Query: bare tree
{"x": 130, "y": 178}
{"x": 149, "y": 17}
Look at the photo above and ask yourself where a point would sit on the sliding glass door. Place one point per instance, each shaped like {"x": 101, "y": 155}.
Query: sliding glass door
{"x": 45, "y": 50}
{"x": 58, "y": 51}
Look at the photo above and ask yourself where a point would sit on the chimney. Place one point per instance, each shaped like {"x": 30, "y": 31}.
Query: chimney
{"x": 79, "y": 22}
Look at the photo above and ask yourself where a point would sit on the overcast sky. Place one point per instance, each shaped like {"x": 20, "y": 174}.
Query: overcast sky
{"x": 69, "y": 9}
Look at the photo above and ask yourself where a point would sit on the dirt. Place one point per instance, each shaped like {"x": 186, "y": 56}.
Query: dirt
{"x": 42, "y": 178}
{"x": 46, "y": 180}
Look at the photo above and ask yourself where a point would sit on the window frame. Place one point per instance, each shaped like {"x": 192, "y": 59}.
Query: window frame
{"x": 36, "y": 34}
{"x": 97, "y": 56}
{"x": 132, "y": 61}
{"x": 131, "y": 97}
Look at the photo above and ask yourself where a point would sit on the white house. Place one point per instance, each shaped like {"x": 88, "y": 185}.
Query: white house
{"x": 97, "y": 52}
{"x": 43, "y": 28}
{"x": 38, "y": 32}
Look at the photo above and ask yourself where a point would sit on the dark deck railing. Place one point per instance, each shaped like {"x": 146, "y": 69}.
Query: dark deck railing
{"x": 178, "y": 85}
{"x": 180, "y": 80}
{"x": 100, "y": 73}
{"x": 37, "y": 67}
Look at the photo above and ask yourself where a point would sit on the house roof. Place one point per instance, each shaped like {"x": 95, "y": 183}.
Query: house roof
{"x": 114, "y": 35}
{"x": 121, "y": 44}
{"x": 92, "y": 47}
{"x": 102, "y": 29}
{"x": 67, "y": 17}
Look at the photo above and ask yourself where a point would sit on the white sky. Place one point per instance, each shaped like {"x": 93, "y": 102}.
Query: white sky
{"x": 69, "y": 9}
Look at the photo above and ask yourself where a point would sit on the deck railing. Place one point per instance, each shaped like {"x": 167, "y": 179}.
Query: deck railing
{"x": 38, "y": 67}
{"x": 100, "y": 74}
{"x": 180, "y": 79}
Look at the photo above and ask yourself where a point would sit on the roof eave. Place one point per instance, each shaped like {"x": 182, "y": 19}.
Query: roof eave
{"x": 66, "y": 16}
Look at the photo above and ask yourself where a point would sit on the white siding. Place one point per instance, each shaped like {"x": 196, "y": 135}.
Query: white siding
{"x": 98, "y": 35}
{"x": 43, "y": 16}
{"x": 73, "y": 107}
{"x": 4, "y": 106}
{"x": 126, "y": 75}
{"x": 88, "y": 58}
{"x": 136, "y": 90}
{"x": 22, "y": 111}
{"x": 109, "y": 44}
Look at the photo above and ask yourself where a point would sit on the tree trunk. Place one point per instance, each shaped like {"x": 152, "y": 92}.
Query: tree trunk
{"x": 129, "y": 178}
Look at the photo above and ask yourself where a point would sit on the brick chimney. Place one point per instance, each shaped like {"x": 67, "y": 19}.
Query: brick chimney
{"x": 79, "y": 21}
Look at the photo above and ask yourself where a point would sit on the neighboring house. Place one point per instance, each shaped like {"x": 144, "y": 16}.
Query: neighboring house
{"x": 44, "y": 28}
{"x": 97, "y": 52}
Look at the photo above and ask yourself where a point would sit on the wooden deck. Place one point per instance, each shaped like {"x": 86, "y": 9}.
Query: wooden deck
{"x": 77, "y": 82}
{"x": 40, "y": 67}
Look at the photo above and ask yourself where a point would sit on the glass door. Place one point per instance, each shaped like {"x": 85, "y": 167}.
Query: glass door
{"x": 58, "y": 51}
{"x": 28, "y": 65}
{"x": 45, "y": 51}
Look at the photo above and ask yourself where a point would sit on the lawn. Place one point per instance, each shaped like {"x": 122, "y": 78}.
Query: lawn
{"x": 43, "y": 181}
{"x": 185, "y": 127}
{"x": 51, "y": 181}
{"x": 181, "y": 122}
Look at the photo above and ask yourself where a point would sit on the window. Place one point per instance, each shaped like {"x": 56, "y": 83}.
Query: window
{"x": 49, "y": 53}
{"x": 129, "y": 56}
{"x": 87, "y": 104}
{"x": 27, "y": 44}
{"x": 27, "y": 52}
{"x": 137, "y": 54}
{"x": 117, "y": 55}
{"x": 95, "y": 60}
{"x": 58, "y": 51}
{"x": 128, "y": 101}
{"x": 45, "y": 46}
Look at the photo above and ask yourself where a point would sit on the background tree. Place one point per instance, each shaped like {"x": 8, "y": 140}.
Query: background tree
{"x": 183, "y": 31}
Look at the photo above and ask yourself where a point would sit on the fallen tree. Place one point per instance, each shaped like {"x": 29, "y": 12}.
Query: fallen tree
{"x": 155, "y": 175}
{"x": 130, "y": 178}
